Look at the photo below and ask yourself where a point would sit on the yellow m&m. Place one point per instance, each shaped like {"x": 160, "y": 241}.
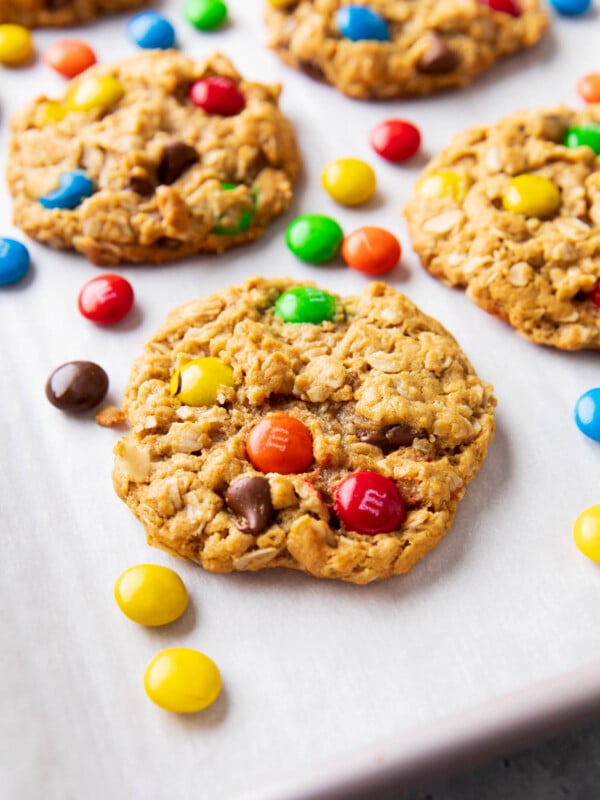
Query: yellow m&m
{"x": 586, "y": 532}
{"x": 443, "y": 183}
{"x": 91, "y": 93}
{"x": 182, "y": 680}
{"x": 150, "y": 594}
{"x": 197, "y": 383}
{"x": 16, "y": 45}
{"x": 349, "y": 181}
{"x": 532, "y": 196}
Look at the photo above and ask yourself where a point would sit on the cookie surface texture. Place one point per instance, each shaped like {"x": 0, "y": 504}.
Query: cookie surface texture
{"x": 60, "y": 13}
{"x": 380, "y": 388}
{"x": 431, "y": 44}
{"x": 476, "y": 222}
{"x": 169, "y": 178}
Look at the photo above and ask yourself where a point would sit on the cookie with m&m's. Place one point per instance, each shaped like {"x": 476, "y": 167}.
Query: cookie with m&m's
{"x": 511, "y": 213}
{"x": 60, "y": 13}
{"x": 151, "y": 159}
{"x": 276, "y": 424}
{"x": 398, "y": 48}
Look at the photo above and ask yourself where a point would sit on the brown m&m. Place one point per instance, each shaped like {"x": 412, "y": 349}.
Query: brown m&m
{"x": 77, "y": 386}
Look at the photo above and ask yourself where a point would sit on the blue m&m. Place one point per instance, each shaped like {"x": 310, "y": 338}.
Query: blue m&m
{"x": 151, "y": 31}
{"x": 14, "y": 261}
{"x": 571, "y": 8}
{"x": 74, "y": 186}
{"x": 359, "y": 23}
{"x": 587, "y": 414}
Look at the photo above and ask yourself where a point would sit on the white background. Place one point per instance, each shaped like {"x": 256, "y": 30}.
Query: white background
{"x": 311, "y": 668}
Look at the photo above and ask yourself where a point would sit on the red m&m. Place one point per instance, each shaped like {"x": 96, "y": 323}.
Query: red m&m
{"x": 367, "y": 502}
{"x": 503, "y": 6}
{"x": 280, "y": 444}
{"x": 395, "y": 139}
{"x": 106, "y": 299}
{"x": 218, "y": 95}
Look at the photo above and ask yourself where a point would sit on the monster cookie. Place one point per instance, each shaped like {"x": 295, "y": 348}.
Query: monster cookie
{"x": 151, "y": 159}
{"x": 277, "y": 425}
{"x": 511, "y": 212}
{"x": 395, "y": 48}
{"x": 60, "y": 13}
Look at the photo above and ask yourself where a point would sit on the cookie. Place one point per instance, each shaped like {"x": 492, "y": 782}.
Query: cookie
{"x": 399, "y": 48}
{"x": 151, "y": 159}
{"x": 60, "y": 13}
{"x": 511, "y": 212}
{"x": 277, "y": 425}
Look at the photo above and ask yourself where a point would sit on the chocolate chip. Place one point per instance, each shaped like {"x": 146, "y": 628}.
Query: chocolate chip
{"x": 77, "y": 386}
{"x": 177, "y": 157}
{"x": 250, "y": 500}
{"x": 141, "y": 185}
{"x": 393, "y": 437}
{"x": 313, "y": 71}
{"x": 438, "y": 59}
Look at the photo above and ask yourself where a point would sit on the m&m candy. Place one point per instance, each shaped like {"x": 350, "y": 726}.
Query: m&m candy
{"x": 532, "y": 196}
{"x": 371, "y": 250}
{"x": 92, "y": 93}
{"x": 360, "y": 22}
{"x": 151, "y": 31}
{"x": 106, "y": 299}
{"x": 14, "y": 261}
{"x": 182, "y": 680}
{"x": 367, "y": 502}
{"x": 584, "y": 136}
{"x": 280, "y": 444}
{"x": 443, "y": 183}
{"x": 74, "y": 186}
{"x": 587, "y": 414}
{"x": 69, "y": 57}
{"x": 503, "y": 6}
{"x": 244, "y": 221}
{"x": 305, "y": 304}
{"x": 77, "y": 386}
{"x": 151, "y": 594}
{"x": 395, "y": 140}
{"x": 314, "y": 238}
{"x": 571, "y": 8}
{"x": 589, "y": 87}
{"x": 205, "y": 15}
{"x": 218, "y": 95}
{"x": 197, "y": 383}
{"x": 586, "y": 532}
{"x": 16, "y": 45}
{"x": 594, "y": 295}
{"x": 350, "y": 181}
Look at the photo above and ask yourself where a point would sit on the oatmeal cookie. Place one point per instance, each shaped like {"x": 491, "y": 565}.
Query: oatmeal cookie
{"x": 397, "y": 48}
{"x": 511, "y": 212}
{"x": 167, "y": 177}
{"x": 60, "y": 13}
{"x": 277, "y": 425}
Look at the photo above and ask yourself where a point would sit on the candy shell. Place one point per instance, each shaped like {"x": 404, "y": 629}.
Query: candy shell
{"x": 14, "y": 261}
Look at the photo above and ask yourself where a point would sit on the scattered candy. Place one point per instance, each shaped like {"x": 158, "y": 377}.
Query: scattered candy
{"x": 349, "y": 181}
{"x": 77, "y": 386}
{"x": 443, "y": 183}
{"x": 586, "y": 532}
{"x": 314, "y": 238}
{"x": 250, "y": 500}
{"x": 584, "y": 136}
{"x": 182, "y": 680}
{"x": 69, "y": 57}
{"x": 367, "y": 502}
{"x": 358, "y": 23}
{"x": 197, "y": 383}
{"x": 244, "y": 222}
{"x": 150, "y": 594}
{"x": 14, "y": 261}
{"x": 504, "y": 6}
{"x": 305, "y": 304}
{"x": 105, "y": 299}
{"x": 531, "y": 195}
{"x": 95, "y": 93}
{"x": 589, "y": 87}
{"x": 206, "y": 15}
{"x": 587, "y": 414}
{"x": 371, "y": 250}
{"x": 280, "y": 444}
{"x": 571, "y": 8}
{"x": 151, "y": 30}
{"x": 74, "y": 186}
{"x": 218, "y": 95}
{"x": 395, "y": 140}
{"x": 16, "y": 45}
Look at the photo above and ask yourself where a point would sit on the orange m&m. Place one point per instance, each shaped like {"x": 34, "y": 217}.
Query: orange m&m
{"x": 589, "y": 87}
{"x": 280, "y": 444}
{"x": 371, "y": 250}
{"x": 69, "y": 57}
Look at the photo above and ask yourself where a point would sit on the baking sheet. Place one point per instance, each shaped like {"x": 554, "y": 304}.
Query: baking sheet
{"x": 312, "y": 670}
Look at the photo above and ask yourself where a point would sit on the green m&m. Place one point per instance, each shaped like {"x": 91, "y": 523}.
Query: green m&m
{"x": 314, "y": 238}
{"x": 244, "y": 222}
{"x": 205, "y": 15}
{"x": 305, "y": 304}
{"x": 584, "y": 136}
